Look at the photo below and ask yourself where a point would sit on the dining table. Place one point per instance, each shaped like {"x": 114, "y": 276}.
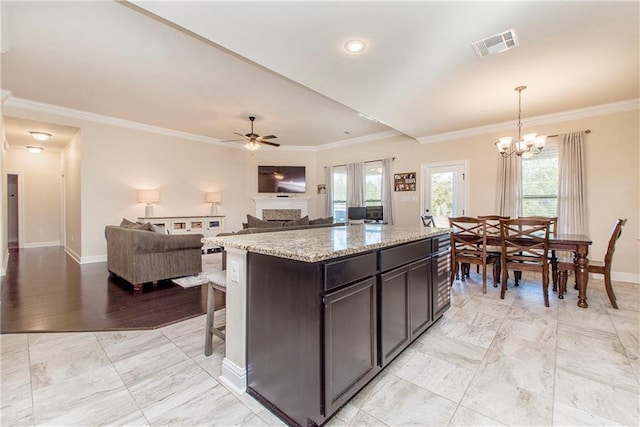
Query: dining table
{"x": 578, "y": 244}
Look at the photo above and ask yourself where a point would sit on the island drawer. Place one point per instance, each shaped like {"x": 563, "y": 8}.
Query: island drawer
{"x": 404, "y": 254}
{"x": 441, "y": 243}
{"x": 349, "y": 270}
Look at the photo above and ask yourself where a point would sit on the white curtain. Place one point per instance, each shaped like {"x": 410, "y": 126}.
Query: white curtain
{"x": 509, "y": 186}
{"x": 572, "y": 202}
{"x": 328, "y": 179}
{"x": 387, "y": 190}
{"x": 355, "y": 185}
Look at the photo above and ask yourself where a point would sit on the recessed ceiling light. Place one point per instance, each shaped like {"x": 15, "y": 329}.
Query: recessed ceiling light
{"x": 354, "y": 46}
{"x": 40, "y": 136}
{"x": 36, "y": 150}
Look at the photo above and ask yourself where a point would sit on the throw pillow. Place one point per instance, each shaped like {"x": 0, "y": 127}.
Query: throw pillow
{"x": 125, "y": 223}
{"x": 301, "y": 221}
{"x": 319, "y": 221}
{"x": 254, "y": 222}
{"x": 157, "y": 229}
{"x": 145, "y": 227}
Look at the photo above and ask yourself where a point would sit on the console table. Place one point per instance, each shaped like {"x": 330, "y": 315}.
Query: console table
{"x": 208, "y": 225}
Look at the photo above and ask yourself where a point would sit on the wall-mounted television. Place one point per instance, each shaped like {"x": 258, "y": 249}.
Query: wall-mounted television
{"x": 281, "y": 179}
{"x": 374, "y": 213}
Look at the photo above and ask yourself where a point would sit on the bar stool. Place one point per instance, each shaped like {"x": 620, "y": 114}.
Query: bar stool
{"x": 217, "y": 280}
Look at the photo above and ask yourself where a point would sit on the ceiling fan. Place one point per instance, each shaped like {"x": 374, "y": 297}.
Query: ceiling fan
{"x": 254, "y": 140}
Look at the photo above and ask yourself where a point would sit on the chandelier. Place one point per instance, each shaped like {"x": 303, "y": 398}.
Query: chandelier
{"x": 526, "y": 145}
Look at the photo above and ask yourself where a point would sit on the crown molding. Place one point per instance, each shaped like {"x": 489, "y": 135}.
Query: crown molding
{"x": 99, "y": 118}
{"x": 5, "y": 94}
{"x": 580, "y": 113}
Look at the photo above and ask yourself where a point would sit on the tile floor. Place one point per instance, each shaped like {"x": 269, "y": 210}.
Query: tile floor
{"x": 487, "y": 362}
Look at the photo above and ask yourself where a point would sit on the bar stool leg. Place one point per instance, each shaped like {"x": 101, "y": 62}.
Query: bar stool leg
{"x": 211, "y": 306}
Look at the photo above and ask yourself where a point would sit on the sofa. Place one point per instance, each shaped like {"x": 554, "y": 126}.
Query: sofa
{"x": 257, "y": 225}
{"x": 139, "y": 254}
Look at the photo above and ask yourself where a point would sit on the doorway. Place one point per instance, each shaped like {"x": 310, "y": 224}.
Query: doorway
{"x": 13, "y": 210}
{"x": 444, "y": 191}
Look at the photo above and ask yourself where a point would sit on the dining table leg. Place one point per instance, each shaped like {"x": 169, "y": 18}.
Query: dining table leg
{"x": 582, "y": 277}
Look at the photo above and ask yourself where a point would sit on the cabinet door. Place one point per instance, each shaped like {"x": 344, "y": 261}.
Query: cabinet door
{"x": 350, "y": 342}
{"x": 420, "y": 297}
{"x": 441, "y": 267}
{"x": 394, "y": 313}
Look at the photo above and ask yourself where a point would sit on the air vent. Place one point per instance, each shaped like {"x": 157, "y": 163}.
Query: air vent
{"x": 496, "y": 44}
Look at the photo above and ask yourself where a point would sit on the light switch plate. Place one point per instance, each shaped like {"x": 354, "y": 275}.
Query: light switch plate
{"x": 235, "y": 271}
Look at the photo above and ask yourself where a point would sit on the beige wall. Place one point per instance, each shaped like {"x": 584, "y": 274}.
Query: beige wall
{"x": 117, "y": 160}
{"x": 4, "y": 250}
{"x": 612, "y": 153}
{"x": 71, "y": 168}
{"x": 40, "y": 197}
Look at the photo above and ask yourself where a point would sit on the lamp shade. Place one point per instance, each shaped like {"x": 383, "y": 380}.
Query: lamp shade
{"x": 213, "y": 197}
{"x": 148, "y": 196}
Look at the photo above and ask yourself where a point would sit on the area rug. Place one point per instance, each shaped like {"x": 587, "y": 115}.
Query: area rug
{"x": 210, "y": 264}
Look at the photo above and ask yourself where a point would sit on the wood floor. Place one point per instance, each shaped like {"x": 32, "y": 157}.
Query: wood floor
{"x": 45, "y": 290}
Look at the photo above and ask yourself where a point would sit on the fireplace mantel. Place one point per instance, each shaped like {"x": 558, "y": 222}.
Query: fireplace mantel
{"x": 279, "y": 202}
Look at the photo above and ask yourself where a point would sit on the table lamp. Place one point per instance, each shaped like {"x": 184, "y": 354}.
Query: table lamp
{"x": 149, "y": 197}
{"x": 215, "y": 198}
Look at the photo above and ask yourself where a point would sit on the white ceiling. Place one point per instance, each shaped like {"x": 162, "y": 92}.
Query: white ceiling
{"x": 202, "y": 67}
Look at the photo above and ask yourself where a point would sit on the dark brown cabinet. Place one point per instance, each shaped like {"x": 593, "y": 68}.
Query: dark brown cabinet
{"x": 350, "y": 339}
{"x": 318, "y": 332}
{"x": 440, "y": 276}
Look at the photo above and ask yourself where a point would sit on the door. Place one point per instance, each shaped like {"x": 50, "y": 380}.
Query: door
{"x": 13, "y": 220}
{"x": 444, "y": 187}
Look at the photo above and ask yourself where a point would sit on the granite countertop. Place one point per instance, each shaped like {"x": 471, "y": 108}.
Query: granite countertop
{"x": 319, "y": 244}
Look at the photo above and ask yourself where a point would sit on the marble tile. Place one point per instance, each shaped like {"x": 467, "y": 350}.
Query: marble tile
{"x": 350, "y": 416}
{"x": 376, "y": 384}
{"x": 10, "y": 343}
{"x": 60, "y": 357}
{"x": 155, "y": 353}
{"x": 619, "y": 404}
{"x": 269, "y": 419}
{"x": 92, "y": 398}
{"x": 15, "y": 368}
{"x": 205, "y": 402}
{"x": 437, "y": 375}
{"x": 185, "y": 327}
{"x": 566, "y": 415}
{"x": 453, "y": 350}
{"x": 494, "y": 307}
{"x": 403, "y": 403}
{"x": 530, "y": 331}
{"x": 16, "y": 408}
{"x": 467, "y": 417}
{"x": 507, "y": 403}
{"x": 473, "y": 328}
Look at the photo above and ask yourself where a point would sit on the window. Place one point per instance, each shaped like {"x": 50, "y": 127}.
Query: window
{"x": 373, "y": 188}
{"x": 540, "y": 183}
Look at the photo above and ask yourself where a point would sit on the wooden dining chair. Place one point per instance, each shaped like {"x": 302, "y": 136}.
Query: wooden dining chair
{"x": 553, "y": 259}
{"x": 427, "y": 220}
{"x": 525, "y": 247}
{"x": 597, "y": 267}
{"x": 469, "y": 246}
{"x": 493, "y": 230}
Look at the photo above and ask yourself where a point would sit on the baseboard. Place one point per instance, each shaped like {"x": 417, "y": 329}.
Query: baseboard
{"x": 233, "y": 376}
{"x": 92, "y": 259}
{"x": 72, "y": 254}
{"x": 623, "y": 277}
{"x": 5, "y": 263}
{"x": 42, "y": 244}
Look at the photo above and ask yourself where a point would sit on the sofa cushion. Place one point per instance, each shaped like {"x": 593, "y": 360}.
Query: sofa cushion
{"x": 319, "y": 221}
{"x": 296, "y": 222}
{"x": 144, "y": 227}
{"x": 253, "y": 222}
{"x": 125, "y": 223}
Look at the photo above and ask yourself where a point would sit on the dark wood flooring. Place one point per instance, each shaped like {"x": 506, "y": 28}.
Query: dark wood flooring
{"x": 45, "y": 290}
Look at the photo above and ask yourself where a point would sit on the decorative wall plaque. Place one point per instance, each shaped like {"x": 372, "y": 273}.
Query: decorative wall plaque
{"x": 404, "y": 181}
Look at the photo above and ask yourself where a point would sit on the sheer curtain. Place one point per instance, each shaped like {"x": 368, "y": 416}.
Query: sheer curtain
{"x": 355, "y": 184}
{"x": 509, "y": 186}
{"x": 387, "y": 190}
{"x": 328, "y": 179}
{"x": 572, "y": 202}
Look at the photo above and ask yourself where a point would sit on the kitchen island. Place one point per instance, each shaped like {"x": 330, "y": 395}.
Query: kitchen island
{"x": 313, "y": 315}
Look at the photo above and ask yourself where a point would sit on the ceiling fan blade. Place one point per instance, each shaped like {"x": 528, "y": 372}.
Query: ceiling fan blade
{"x": 269, "y": 143}
{"x": 268, "y": 137}
{"x": 239, "y": 134}
{"x": 232, "y": 140}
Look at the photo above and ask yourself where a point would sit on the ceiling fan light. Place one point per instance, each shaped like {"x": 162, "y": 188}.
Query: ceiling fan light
{"x": 35, "y": 150}
{"x": 252, "y": 146}
{"x": 40, "y": 136}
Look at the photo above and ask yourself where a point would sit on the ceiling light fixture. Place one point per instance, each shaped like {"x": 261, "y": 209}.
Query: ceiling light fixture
{"x": 35, "y": 150}
{"x": 40, "y": 136}
{"x": 354, "y": 46}
{"x": 525, "y": 143}
{"x": 252, "y": 146}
